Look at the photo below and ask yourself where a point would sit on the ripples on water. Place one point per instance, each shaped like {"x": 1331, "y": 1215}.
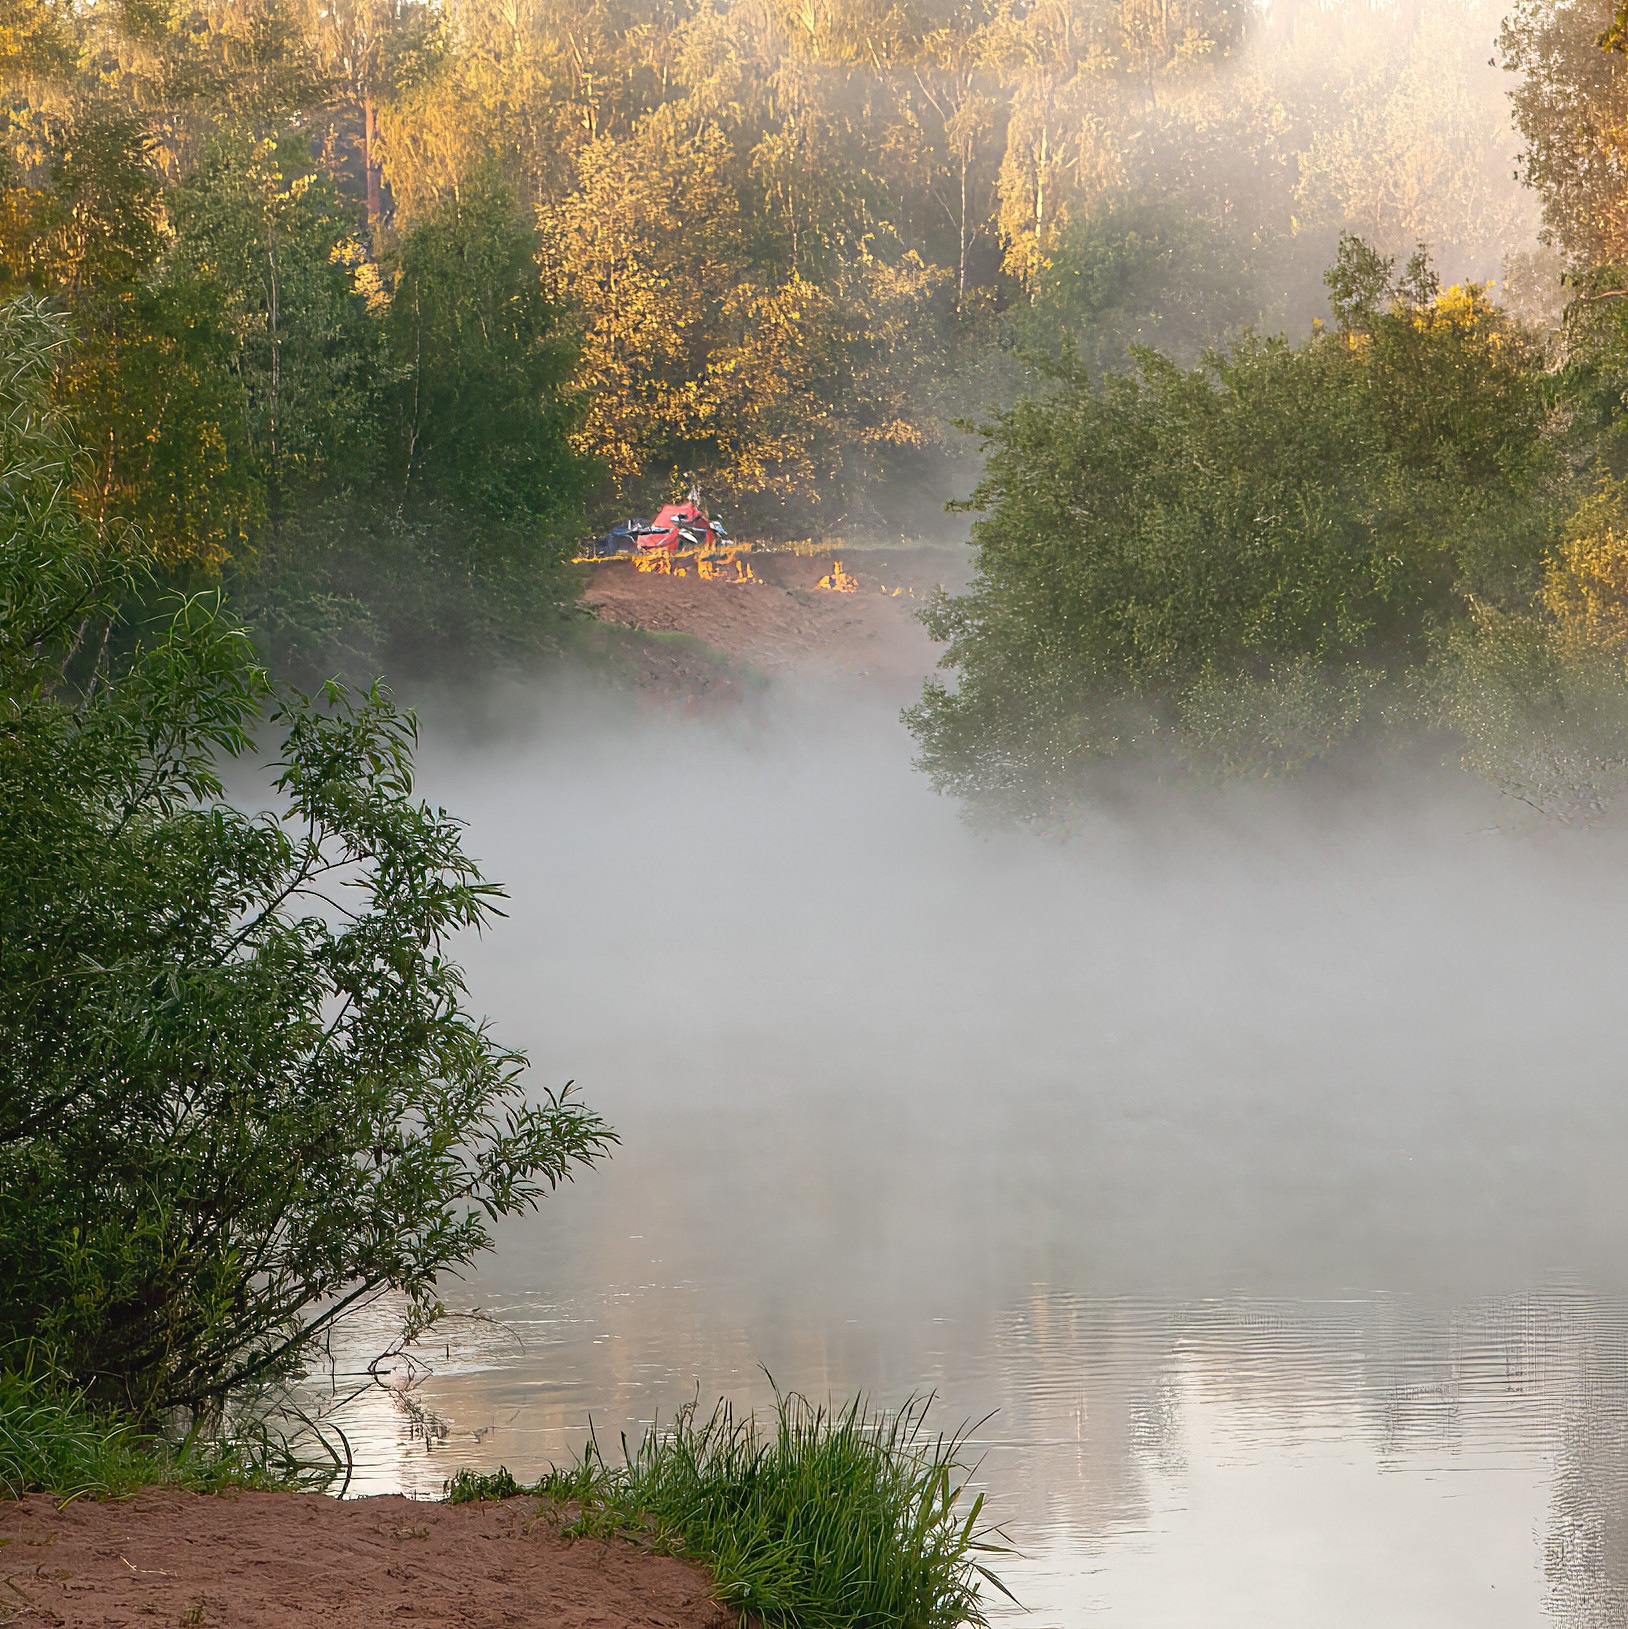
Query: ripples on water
{"x": 1260, "y": 1169}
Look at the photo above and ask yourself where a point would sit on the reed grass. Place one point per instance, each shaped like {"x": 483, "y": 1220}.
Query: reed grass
{"x": 826, "y": 1518}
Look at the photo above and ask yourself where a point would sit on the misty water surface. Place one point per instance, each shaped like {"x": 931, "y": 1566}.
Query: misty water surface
{"x": 1257, "y": 1159}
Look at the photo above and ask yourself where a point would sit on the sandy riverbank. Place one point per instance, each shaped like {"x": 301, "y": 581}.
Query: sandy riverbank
{"x": 277, "y": 1560}
{"x": 782, "y": 621}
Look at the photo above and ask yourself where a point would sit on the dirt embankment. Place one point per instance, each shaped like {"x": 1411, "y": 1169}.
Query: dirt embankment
{"x": 277, "y": 1560}
{"x": 782, "y": 620}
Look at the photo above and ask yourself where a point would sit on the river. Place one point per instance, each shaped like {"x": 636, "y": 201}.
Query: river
{"x": 1253, "y": 1162}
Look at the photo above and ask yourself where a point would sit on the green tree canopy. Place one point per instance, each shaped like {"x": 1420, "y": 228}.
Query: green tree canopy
{"x": 1261, "y": 536}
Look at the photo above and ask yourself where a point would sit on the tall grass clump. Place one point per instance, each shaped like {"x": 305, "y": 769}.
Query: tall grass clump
{"x": 828, "y": 1518}
{"x": 53, "y": 1444}
{"x": 53, "y": 1441}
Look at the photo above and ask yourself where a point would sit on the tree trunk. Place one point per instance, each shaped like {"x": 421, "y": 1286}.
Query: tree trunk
{"x": 961, "y": 270}
{"x": 1040, "y": 180}
{"x": 370, "y": 162}
{"x": 274, "y": 474}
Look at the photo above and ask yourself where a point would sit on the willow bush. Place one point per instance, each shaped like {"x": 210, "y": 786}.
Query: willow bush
{"x": 240, "y": 1090}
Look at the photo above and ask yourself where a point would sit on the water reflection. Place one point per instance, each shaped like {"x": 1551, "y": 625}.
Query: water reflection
{"x": 1259, "y": 1165}
{"x": 1219, "y": 1462}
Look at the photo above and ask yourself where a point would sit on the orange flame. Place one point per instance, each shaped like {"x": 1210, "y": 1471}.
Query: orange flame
{"x": 718, "y": 571}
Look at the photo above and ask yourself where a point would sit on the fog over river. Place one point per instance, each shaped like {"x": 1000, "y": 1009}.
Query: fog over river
{"x": 1258, "y": 1159}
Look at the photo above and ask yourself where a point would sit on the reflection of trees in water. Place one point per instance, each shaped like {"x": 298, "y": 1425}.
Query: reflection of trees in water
{"x": 1096, "y": 1391}
{"x": 1585, "y": 1551}
{"x": 1096, "y": 1396}
{"x": 1087, "y": 1398}
{"x": 1482, "y": 1375}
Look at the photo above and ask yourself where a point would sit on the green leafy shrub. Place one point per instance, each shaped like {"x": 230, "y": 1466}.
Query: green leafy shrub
{"x": 1218, "y": 565}
{"x": 1542, "y": 717}
{"x": 239, "y": 1089}
{"x": 352, "y": 587}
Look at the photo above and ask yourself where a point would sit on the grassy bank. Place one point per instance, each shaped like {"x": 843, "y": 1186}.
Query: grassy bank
{"x": 52, "y": 1442}
{"x": 820, "y": 1519}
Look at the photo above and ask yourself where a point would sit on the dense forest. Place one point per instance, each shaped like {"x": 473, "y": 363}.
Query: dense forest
{"x": 1289, "y": 418}
{"x": 378, "y": 306}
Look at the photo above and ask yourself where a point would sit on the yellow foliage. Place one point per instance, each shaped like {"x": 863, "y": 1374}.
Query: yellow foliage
{"x": 365, "y": 277}
{"x": 694, "y": 358}
{"x": 730, "y": 569}
{"x": 1586, "y": 586}
{"x": 1464, "y": 313}
{"x": 1468, "y": 311}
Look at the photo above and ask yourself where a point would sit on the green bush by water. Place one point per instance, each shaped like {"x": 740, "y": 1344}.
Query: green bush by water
{"x": 838, "y": 1518}
{"x": 241, "y": 1090}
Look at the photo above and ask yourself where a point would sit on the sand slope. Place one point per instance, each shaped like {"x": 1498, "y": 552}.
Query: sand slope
{"x": 274, "y": 1560}
{"x": 783, "y": 620}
